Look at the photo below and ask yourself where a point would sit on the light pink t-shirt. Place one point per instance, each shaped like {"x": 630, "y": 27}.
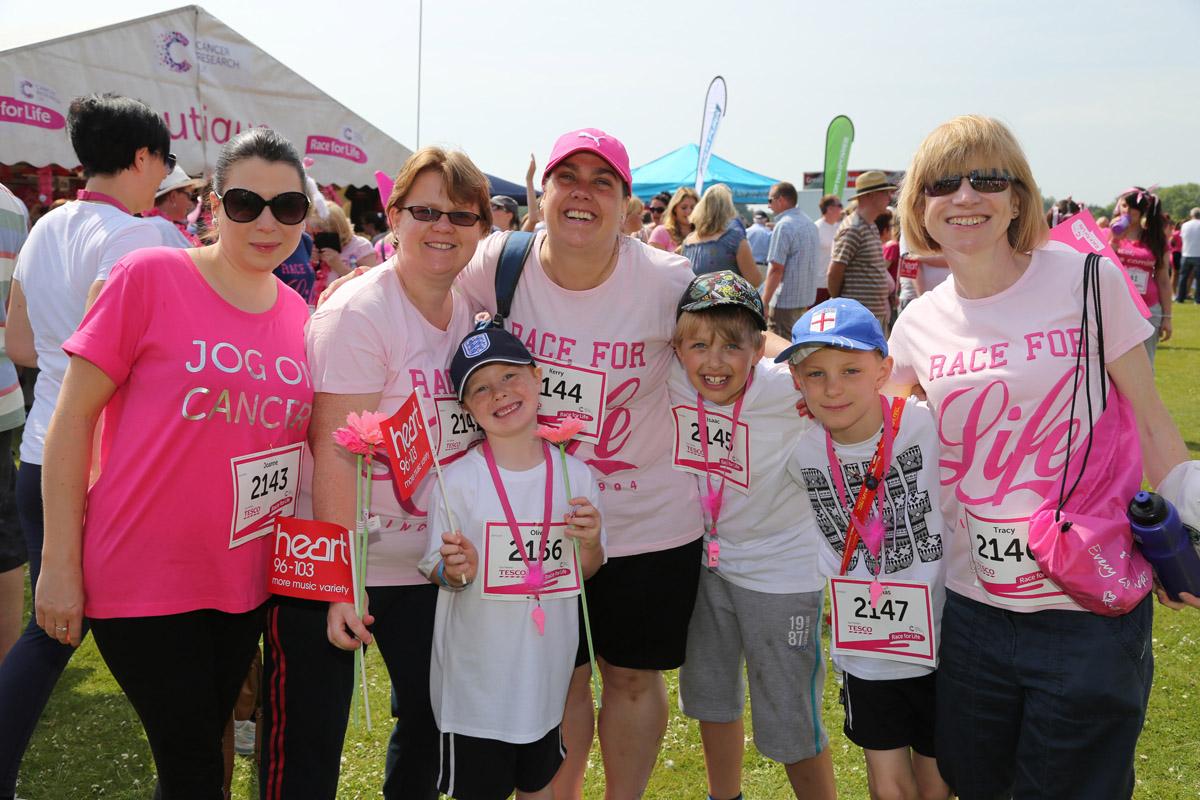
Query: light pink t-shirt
{"x": 621, "y": 332}
{"x": 368, "y": 338}
{"x": 662, "y": 237}
{"x": 998, "y": 373}
{"x": 199, "y": 383}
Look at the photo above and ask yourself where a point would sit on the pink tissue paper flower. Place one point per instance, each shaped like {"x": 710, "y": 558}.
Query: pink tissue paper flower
{"x": 566, "y": 430}
{"x": 366, "y": 427}
{"x": 351, "y": 441}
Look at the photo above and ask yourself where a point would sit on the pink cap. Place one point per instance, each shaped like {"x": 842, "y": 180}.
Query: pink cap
{"x": 591, "y": 140}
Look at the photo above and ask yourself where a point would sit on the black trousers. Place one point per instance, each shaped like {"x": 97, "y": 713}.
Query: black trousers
{"x": 182, "y": 674}
{"x": 307, "y": 687}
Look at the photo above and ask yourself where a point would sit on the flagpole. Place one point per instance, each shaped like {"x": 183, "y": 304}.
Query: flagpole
{"x": 420, "y": 31}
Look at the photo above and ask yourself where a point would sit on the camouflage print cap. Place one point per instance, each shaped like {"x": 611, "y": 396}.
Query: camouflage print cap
{"x": 724, "y": 288}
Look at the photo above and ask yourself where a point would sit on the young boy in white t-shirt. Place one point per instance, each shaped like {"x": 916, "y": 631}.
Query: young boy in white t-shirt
{"x": 874, "y": 459}
{"x": 760, "y": 591}
{"x": 506, "y": 628}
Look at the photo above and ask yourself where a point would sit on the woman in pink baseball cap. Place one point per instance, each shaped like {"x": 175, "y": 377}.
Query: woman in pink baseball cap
{"x": 595, "y": 308}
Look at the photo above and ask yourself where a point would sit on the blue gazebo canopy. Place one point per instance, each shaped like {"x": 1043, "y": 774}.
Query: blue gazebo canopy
{"x": 514, "y": 190}
{"x": 678, "y": 168}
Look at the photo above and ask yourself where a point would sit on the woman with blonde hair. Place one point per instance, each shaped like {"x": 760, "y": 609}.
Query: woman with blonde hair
{"x": 676, "y": 224}
{"x": 633, "y": 219}
{"x": 355, "y": 250}
{"x": 1037, "y": 697}
{"x": 718, "y": 241}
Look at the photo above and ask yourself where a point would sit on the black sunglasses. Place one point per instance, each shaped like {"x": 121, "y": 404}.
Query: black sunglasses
{"x": 657, "y": 209}
{"x": 243, "y": 205}
{"x": 984, "y": 182}
{"x": 463, "y": 219}
{"x": 170, "y": 159}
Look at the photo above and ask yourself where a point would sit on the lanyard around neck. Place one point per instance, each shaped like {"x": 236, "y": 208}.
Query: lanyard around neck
{"x": 716, "y": 497}
{"x": 101, "y": 197}
{"x": 533, "y": 579}
{"x": 868, "y": 492}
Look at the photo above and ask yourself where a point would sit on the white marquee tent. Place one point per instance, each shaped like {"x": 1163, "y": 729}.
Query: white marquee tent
{"x": 208, "y": 82}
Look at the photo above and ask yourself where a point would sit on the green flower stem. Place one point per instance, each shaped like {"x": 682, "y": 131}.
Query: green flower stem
{"x": 587, "y": 620}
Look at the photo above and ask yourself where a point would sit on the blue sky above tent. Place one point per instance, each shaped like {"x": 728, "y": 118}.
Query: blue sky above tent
{"x": 678, "y": 168}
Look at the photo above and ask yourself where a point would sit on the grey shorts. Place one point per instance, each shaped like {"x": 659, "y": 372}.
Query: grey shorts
{"x": 779, "y": 638}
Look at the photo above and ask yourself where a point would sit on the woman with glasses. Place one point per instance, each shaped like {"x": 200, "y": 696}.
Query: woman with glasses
{"x": 123, "y": 147}
{"x": 1036, "y": 697}
{"x": 386, "y": 335}
{"x": 676, "y": 220}
{"x": 196, "y": 359}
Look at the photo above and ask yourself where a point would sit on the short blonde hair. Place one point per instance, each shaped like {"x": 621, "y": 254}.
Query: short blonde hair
{"x": 729, "y": 323}
{"x": 336, "y": 222}
{"x": 714, "y": 211}
{"x": 634, "y": 206}
{"x": 955, "y": 147}
{"x": 465, "y": 184}
{"x": 681, "y": 194}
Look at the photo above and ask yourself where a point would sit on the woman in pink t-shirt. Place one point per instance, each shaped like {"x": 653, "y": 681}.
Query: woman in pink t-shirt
{"x": 676, "y": 224}
{"x": 196, "y": 358}
{"x": 384, "y": 337}
{"x": 1037, "y": 698}
{"x": 1142, "y": 246}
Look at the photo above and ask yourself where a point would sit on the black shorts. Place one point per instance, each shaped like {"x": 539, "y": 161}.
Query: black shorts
{"x": 12, "y": 541}
{"x": 887, "y": 715}
{"x": 487, "y": 769}
{"x": 640, "y": 608}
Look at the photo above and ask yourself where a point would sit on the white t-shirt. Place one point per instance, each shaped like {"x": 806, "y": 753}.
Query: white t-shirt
{"x": 368, "y": 338}
{"x": 913, "y": 549}
{"x": 68, "y": 250}
{"x": 1189, "y": 233}
{"x": 998, "y": 373}
{"x": 768, "y": 537}
{"x": 171, "y": 237}
{"x": 931, "y": 276}
{"x": 826, "y": 232}
{"x": 617, "y": 335}
{"x": 491, "y": 675}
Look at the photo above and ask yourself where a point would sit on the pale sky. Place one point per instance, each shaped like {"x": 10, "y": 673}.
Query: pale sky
{"x": 1102, "y": 94}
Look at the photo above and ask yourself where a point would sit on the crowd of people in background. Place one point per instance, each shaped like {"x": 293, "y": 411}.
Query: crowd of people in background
{"x": 190, "y": 338}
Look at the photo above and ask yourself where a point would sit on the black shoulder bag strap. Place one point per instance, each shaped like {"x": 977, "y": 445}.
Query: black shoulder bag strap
{"x": 513, "y": 256}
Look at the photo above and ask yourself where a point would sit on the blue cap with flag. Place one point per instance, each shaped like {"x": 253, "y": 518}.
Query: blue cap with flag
{"x": 838, "y": 322}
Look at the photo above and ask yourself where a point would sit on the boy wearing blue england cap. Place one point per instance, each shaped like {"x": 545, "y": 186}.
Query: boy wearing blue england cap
{"x": 871, "y": 474}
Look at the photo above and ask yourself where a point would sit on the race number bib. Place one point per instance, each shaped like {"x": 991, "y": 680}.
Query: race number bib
{"x": 1140, "y": 278}
{"x": 504, "y": 568}
{"x": 570, "y": 392}
{"x": 457, "y": 429}
{"x": 898, "y": 628}
{"x": 265, "y": 486}
{"x": 1004, "y": 565}
{"x": 689, "y": 452}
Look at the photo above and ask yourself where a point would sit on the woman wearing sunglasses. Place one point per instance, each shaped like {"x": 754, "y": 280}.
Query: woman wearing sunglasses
{"x": 196, "y": 358}
{"x": 676, "y": 220}
{"x": 386, "y": 335}
{"x": 1037, "y": 697}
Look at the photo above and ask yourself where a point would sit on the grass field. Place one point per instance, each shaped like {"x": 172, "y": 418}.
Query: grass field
{"x": 90, "y": 744}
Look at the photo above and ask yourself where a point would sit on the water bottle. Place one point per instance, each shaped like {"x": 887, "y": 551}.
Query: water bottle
{"x": 1119, "y": 224}
{"x": 1166, "y": 542}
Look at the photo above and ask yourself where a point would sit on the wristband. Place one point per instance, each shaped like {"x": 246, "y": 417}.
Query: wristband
{"x": 441, "y": 575}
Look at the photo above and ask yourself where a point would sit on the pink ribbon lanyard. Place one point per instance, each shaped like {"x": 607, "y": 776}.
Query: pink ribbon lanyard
{"x": 533, "y": 575}
{"x": 101, "y": 197}
{"x": 835, "y": 468}
{"x": 715, "y": 498}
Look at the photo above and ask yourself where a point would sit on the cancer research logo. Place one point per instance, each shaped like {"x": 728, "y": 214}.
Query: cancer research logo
{"x": 476, "y": 344}
{"x": 27, "y": 89}
{"x": 165, "y": 42}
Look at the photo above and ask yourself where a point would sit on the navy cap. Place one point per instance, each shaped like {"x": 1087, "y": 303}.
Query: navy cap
{"x": 480, "y": 348}
{"x": 838, "y": 322}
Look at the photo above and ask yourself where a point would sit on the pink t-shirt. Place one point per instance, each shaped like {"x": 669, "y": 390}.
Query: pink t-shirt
{"x": 200, "y": 383}
{"x": 1139, "y": 262}
{"x": 368, "y": 338}
{"x": 998, "y": 373}
{"x": 612, "y": 342}
{"x": 662, "y": 237}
